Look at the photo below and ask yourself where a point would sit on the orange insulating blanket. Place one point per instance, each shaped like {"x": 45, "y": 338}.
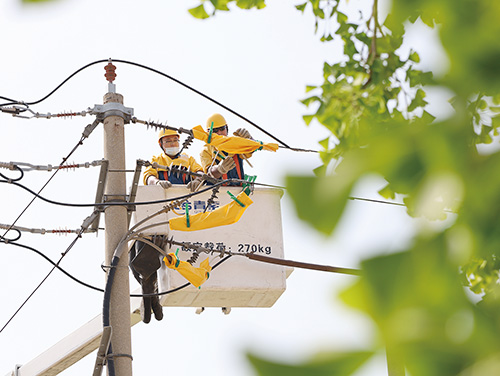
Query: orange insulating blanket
{"x": 196, "y": 276}
{"x": 232, "y": 145}
{"x": 225, "y": 215}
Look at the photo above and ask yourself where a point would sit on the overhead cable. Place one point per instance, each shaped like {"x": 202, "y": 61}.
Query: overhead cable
{"x": 207, "y": 188}
{"x": 12, "y": 102}
{"x": 42, "y": 230}
{"x": 16, "y": 111}
{"x": 86, "y": 223}
{"x": 105, "y": 204}
{"x": 255, "y": 257}
{"x": 24, "y": 166}
{"x": 85, "y": 284}
{"x": 86, "y": 133}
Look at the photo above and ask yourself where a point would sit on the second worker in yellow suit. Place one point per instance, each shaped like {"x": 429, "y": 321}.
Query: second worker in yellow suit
{"x": 219, "y": 164}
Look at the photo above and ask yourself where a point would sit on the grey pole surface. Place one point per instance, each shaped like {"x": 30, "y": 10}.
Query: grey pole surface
{"x": 116, "y": 227}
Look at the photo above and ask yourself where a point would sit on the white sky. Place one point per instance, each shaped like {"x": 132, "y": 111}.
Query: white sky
{"x": 256, "y": 63}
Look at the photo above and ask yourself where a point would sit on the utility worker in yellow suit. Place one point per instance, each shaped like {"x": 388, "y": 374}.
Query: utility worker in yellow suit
{"x": 145, "y": 259}
{"x": 219, "y": 164}
{"x": 169, "y": 144}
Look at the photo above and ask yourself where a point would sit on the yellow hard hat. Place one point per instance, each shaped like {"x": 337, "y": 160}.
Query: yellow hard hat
{"x": 217, "y": 119}
{"x": 166, "y": 132}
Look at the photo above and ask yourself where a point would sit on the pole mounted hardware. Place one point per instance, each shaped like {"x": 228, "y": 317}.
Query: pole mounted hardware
{"x": 103, "y": 111}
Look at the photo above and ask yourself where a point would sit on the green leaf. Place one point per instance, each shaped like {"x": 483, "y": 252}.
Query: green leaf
{"x": 418, "y": 77}
{"x": 427, "y": 19}
{"x": 341, "y": 18}
{"x": 261, "y": 4}
{"x": 199, "y": 12}
{"x": 326, "y": 157}
{"x": 495, "y": 121}
{"x": 414, "y": 57}
{"x": 397, "y": 28}
{"x": 427, "y": 118}
{"x": 221, "y": 4}
{"x": 326, "y": 38}
{"x": 301, "y": 7}
{"x": 334, "y": 364}
{"x": 249, "y": 4}
{"x": 320, "y": 171}
{"x": 387, "y": 193}
{"x": 318, "y": 201}
{"x": 308, "y": 118}
{"x": 418, "y": 101}
{"x": 325, "y": 142}
{"x": 309, "y": 100}
{"x": 310, "y": 88}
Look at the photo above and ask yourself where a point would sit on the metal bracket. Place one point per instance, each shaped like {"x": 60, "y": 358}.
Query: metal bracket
{"x": 17, "y": 367}
{"x": 102, "y": 351}
{"x": 103, "y": 174}
{"x": 133, "y": 189}
{"x": 113, "y": 109}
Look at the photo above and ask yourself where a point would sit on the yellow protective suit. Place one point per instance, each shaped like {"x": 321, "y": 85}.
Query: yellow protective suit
{"x": 230, "y": 144}
{"x": 183, "y": 160}
{"x": 196, "y": 276}
{"x": 225, "y": 215}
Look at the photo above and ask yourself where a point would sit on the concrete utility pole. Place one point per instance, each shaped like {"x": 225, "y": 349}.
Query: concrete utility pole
{"x": 116, "y": 223}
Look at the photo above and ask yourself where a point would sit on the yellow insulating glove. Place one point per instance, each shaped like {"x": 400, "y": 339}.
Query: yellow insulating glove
{"x": 165, "y": 184}
{"x": 242, "y": 132}
{"x": 194, "y": 184}
{"x": 226, "y": 165}
{"x": 196, "y": 276}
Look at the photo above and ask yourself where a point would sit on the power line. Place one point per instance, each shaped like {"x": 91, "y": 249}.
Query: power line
{"x": 43, "y": 187}
{"x": 207, "y": 188}
{"x": 86, "y": 223}
{"x": 252, "y": 256}
{"x": 85, "y": 284}
{"x": 14, "y": 102}
{"x": 303, "y": 265}
{"x": 41, "y": 283}
{"x": 56, "y": 265}
{"x": 376, "y": 201}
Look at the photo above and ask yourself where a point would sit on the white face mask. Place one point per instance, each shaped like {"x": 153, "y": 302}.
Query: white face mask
{"x": 171, "y": 150}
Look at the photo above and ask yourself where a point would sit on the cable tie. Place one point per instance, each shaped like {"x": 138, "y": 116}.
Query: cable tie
{"x": 119, "y": 355}
{"x": 218, "y": 154}
{"x": 210, "y": 133}
{"x": 235, "y": 199}
{"x": 187, "y": 215}
{"x": 104, "y": 267}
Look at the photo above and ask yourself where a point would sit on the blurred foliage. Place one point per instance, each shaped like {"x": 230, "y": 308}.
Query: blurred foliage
{"x": 201, "y": 11}
{"x": 37, "y": 1}
{"x": 373, "y": 101}
{"x": 334, "y": 364}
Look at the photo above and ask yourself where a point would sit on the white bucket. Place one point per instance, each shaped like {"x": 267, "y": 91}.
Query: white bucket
{"x": 239, "y": 281}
